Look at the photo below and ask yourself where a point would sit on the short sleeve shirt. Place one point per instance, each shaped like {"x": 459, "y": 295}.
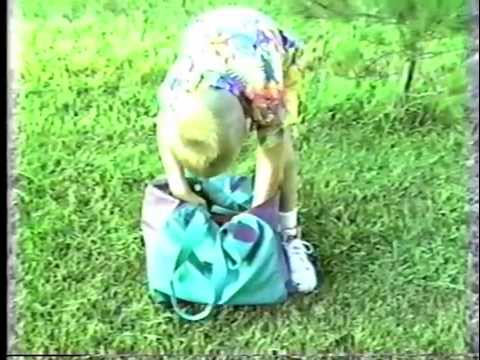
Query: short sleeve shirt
{"x": 244, "y": 52}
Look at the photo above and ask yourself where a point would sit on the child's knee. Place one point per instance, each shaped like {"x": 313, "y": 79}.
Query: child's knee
{"x": 291, "y": 163}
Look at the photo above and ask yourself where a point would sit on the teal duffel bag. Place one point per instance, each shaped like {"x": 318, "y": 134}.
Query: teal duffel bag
{"x": 223, "y": 254}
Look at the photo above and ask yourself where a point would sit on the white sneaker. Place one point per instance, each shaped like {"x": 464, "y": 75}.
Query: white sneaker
{"x": 303, "y": 273}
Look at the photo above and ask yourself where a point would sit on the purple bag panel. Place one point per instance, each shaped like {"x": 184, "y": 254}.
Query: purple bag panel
{"x": 159, "y": 204}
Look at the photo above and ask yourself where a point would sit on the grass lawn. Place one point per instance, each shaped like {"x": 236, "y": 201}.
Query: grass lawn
{"x": 382, "y": 198}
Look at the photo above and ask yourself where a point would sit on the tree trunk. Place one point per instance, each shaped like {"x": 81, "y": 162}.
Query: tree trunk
{"x": 412, "y": 63}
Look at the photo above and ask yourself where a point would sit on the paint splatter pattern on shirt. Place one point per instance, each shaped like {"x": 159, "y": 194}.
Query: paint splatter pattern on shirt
{"x": 242, "y": 51}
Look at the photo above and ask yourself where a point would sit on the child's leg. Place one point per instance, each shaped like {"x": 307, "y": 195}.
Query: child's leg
{"x": 268, "y": 172}
{"x": 302, "y": 271}
{"x": 289, "y": 185}
{"x": 277, "y": 167}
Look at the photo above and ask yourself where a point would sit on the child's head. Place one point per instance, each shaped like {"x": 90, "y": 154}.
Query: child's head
{"x": 209, "y": 132}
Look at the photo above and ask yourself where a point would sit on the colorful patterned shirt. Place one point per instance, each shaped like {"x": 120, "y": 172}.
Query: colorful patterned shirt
{"x": 240, "y": 50}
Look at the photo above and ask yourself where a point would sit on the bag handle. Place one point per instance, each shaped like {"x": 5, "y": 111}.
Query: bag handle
{"x": 217, "y": 281}
{"x": 218, "y": 277}
{"x": 182, "y": 258}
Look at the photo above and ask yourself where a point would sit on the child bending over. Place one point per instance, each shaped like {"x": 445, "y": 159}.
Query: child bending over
{"x": 236, "y": 74}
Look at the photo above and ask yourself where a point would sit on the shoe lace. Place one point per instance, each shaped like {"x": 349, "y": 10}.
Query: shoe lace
{"x": 298, "y": 250}
{"x": 298, "y": 247}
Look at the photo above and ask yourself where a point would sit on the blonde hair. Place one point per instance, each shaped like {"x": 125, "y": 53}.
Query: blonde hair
{"x": 207, "y": 131}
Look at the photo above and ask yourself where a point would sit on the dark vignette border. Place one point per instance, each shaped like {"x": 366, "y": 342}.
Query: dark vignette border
{"x": 473, "y": 318}
{"x": 474, "y": 203}
{"x": 11, "y": 186}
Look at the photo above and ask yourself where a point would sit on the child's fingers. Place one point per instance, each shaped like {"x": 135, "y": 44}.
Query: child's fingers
{"x": 197, "y": 200}
{"x": 190, "y": 197}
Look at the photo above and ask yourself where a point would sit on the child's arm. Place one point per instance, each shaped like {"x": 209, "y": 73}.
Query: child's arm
{"x": 276, "y": 164}
{"x": 268, "y": 172}
{"x": 175, "y": 173}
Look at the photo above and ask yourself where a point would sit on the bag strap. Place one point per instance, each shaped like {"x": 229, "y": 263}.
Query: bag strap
{"x": 216, "y": 285}
{"x": 182, "y": 258}
{"x": 219, "y": 273}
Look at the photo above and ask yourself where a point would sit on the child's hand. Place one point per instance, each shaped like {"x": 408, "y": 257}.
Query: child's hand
{"x": 174, "y": 173}
{"x": 187, "y": 195}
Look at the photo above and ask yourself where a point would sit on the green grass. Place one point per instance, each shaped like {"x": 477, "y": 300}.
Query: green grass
{"x": 382, "y": 197}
